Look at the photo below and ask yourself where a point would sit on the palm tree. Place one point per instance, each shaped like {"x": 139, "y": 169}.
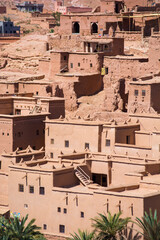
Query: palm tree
{"x": 3, "y": 222}
{"x": 82, "y": 235}
{"x": 16, "y": 229}
{"x": 150, "y": 225}
{"x": 110, "y": 227}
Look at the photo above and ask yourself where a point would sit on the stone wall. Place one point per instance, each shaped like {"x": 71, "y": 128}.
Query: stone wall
{"x": 65, "y": 43}
{"x": 130, "y": 36}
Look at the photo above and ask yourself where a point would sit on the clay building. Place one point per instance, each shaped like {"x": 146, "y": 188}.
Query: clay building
{"x": 58, "y": 191}
{"x": 22, "y": 117}
{"x": 144, "y": 95}
{"x": 14, "y": 128}
{"x": 58, "y": 6}
{"x": 24, "y": 83}
{"x": 109, "y": 46}
{"x": 95, "y": 136}
{"x": 113, "y": 18}
{"x": 81, "y": 177}
{"x": 8, "y": 29}
{"x": 111, "y": 6}
{"x": 84, "y": 24}
{"x": 28, "y": 6}
{"x": 100, "y": 21}
{"x": 46, "y": 20}
{"x": 131, "y": 4}
{"x": 73, "y": 9}
{"x": 115, "y": 164}
{"x": 81, "y": 71}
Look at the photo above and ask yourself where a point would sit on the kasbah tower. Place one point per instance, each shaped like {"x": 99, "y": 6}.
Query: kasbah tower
{"x": 79, "y": 112}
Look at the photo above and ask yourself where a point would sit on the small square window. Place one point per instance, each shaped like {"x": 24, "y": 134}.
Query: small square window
{"x": 66, "y": 143}
{"x": 41, "y": 190}
{"x": 36, "y": 93}
{"x": 79, "y": 64}
{"x": 143, "y": 93}
{"x": 128, "y": 139}
{"x": 37, "y": 132}
{"x": 25, "y": 205}
{"x": 65, "y": 210}
{"x": 58, "y": 209}
{"x": 51, "y": 155}
{"x": 108, "y": 142}
{"x": 52, "y": 141}
{"x": 45, "y": 226}
{"x": 86, "y": 145}
{"x": 31, "y": 189}
{"x": 7, "y": 134}
{"x": 91, "y": 65}
{"x": 61, "y": 228}
{"x": 71, "y": 65}
{"x": 82, "y": 214}
{"x": 65, "y": 58}
{"x": 21, "y": 188}
{"x": 3, "y": 133}
{"x": 18, "y": 111}
{"x": 135, "y": 92}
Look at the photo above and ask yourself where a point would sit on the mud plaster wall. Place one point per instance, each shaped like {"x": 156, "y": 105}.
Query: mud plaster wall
{"x": 88, "y": 85}
{"x": 65, "y": 43}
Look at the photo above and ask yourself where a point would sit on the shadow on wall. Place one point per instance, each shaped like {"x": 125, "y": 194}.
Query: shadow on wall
{"x": 88, "y": 85}
{"x": 49, "y": 90}
{"x": 59, "y": 92}
{"x": 123, "y": 95}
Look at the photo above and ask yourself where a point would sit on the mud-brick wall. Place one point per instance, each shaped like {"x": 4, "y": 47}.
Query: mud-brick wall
{"x": 88, "y": 85}
{"x": 65, "y": 43}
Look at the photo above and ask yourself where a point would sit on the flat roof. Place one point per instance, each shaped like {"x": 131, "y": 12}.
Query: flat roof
{"x": 131, "y": 146}
{"x": 155, "y": 80}
{"x": 23, "y": 116}
{"x": 74, "y": 122}
{"x": 103, "y": 41}
{"x": 87, "y": 14}
{"x": 96, "y": 189}
{"x": 77, "y": 74}
{"x": 27, "y": 151}
{"x": 127, "y": 57}
{"x": 145, "y": 115}
{"x": 18, "y": 76}
{"x": 154, "y": 179}
{"x": 127, "y": 125}
{"x": 43, "y": 98}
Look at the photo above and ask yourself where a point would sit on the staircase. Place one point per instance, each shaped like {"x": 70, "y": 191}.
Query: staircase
{"x": 64, "y": 69}
{"x": 82, "y": 176}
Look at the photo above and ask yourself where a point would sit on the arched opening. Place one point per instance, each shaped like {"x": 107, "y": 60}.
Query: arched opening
{"x": 111, "y": 32}
{"x": 94, "y": 28}
{"x": 76, "y": 27}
